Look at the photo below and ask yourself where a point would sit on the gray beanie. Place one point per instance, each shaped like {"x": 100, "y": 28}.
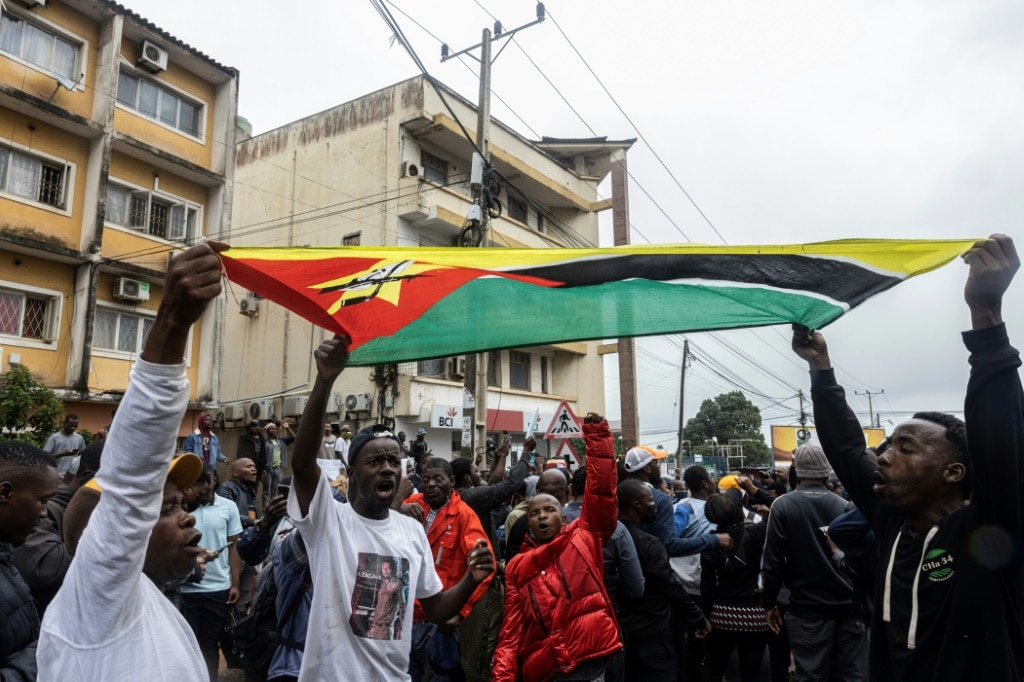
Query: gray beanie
{"x": 811, "y": 463}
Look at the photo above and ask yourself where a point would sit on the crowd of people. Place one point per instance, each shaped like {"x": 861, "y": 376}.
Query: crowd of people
{"x": 129, "y": 558}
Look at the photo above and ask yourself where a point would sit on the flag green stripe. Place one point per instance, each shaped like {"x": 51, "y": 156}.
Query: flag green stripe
{"x": 493, "y": 313}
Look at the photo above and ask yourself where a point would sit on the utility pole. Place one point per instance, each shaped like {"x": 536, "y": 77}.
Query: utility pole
{"x": 871, "y": 410}
{"x": 803, "y": 414}
{"x": 682, "y": 401}
{"x": 627, "y": 348}
{"x": 475, "y": 380}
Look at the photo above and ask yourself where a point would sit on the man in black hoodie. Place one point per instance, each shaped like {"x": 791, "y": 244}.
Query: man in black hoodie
{"x": 950, "y": 597}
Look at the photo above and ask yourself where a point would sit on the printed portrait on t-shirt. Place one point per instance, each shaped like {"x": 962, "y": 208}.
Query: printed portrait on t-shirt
{"x": 380, "y": 596}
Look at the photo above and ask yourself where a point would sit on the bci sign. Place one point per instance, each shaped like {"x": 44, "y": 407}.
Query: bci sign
{"x": 446, "y": 417}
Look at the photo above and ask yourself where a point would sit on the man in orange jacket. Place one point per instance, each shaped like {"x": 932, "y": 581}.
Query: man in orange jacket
{"x": 453, "y": 530}
{"x": 559, "y": 622}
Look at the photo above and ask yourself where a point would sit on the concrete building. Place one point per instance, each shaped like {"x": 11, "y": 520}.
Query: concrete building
{"x": 392, "y": 168}
{"x": 116, "y": 148}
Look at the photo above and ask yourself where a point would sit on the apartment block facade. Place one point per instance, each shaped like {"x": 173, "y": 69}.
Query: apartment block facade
{"x": 391, "y": 168}
{"x": 116, "y": 151}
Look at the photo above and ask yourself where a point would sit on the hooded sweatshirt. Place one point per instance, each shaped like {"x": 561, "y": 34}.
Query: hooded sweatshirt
{"x": 949, "y": 603}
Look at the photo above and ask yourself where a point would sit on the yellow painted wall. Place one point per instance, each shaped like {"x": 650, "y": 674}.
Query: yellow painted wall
{"x": 50, "y": 364}
{"x": 108, "y": 374}
{"x": 19, "y": 216}
{"x": 41, "y": 84}
{"x": 129, "y": 169}
{"x": 152, "y": 133}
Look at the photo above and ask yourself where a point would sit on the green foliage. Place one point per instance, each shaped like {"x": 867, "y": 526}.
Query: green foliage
{"x": 730, "y": 417}
{"x": 27, "y": 408}
{"x": 86, "y": 435}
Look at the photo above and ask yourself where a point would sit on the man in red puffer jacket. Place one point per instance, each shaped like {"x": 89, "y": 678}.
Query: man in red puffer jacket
{"x": 559, "y": 623}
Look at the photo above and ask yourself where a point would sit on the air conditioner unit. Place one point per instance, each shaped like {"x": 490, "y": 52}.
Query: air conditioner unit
{"x": 295, "y": 405}
{"x": 458, "y": 366}
{"x": 249, "y": 306}
{"x": 234, "y": 413}
{"x": 410, "y": 169}
{"x": 152, "y": 57}
{"x": 357, "y": 402}
{"x": 334, "y": 403}
{"x": 126, "y": 289}
{"x": 261, "y": 409}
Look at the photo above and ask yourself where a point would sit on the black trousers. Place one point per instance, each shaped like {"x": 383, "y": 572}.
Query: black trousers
{"x": 207, "y": 613}
{"x": 650, "y": 662}
{"x": 750, "y": 646}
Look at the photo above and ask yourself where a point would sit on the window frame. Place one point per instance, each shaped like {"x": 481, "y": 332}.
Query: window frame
{"x": 130, "y": 70}
{"x": 516, "y": 357}
{"x": 81, "y": 46}
{"x": 519, "y": 205}
{"x": 162, "y": 198}
{"x": 70, "y": 174}
{"x": 55, "y": 306}
{"x": 442, "y": 164}
{"x": 123, "y": 309}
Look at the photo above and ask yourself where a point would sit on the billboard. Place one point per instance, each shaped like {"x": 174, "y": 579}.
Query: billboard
{"x": 785, "y": 440}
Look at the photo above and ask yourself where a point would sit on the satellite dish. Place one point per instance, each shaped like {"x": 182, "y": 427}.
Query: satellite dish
{"x": 66, "y": 83}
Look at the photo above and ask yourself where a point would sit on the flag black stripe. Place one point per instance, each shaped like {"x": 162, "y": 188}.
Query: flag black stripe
{"x": 839, "y": 280}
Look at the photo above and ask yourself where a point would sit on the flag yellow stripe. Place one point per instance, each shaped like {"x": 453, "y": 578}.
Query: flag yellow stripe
{"x": 899, "y": 257}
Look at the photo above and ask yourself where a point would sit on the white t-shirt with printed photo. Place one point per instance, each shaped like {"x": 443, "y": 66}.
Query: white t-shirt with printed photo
{"x": 367, "y": 575}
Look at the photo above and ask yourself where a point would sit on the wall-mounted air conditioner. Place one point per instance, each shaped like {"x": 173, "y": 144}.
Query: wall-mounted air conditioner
{"x": 127, "y": 289}
{"x": 357, "y": 402}
{"x": 249, "y": 306}
{"x": 152, "y": 57}
{"x": 261, "y": 409}
{"x": 234, "y": 413}
{"x": 457, "y": 366}
{"x": 295, "y": 405}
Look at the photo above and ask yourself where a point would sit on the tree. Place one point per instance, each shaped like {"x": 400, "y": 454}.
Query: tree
{"x": 730, "y": 417}
{"x": 29, "y": 411}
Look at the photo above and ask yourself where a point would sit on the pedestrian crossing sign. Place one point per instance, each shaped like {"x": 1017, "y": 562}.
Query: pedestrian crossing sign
{"x": 564, "y": 424}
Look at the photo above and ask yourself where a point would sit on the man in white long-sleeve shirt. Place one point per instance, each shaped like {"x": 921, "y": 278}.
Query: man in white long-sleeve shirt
{"x": 110, "y": 620}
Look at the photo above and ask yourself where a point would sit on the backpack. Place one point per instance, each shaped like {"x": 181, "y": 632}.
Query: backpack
{"x": 252, "y": 637}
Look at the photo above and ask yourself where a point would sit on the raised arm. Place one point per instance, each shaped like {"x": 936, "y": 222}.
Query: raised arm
{"x": 330, "y": 358}
{"x": 994, "y": 406}
{"x": 497, "y": 472}
{"x": 600, "y": 505}
{"x": 837, "y": 426}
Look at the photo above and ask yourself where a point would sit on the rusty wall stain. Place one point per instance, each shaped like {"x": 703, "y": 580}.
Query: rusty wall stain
{"x": 368, "y": 110}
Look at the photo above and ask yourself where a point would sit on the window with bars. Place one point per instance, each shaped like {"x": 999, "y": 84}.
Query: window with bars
{"x": 26, "y": 315}
{"x": 519, "y": 370}
{"x": 151, "y": 213}
{"x": 352, "y": 239}
{"x": 516, "y": 209}
{"x": 158, "y": 103}
{"x": 544, "y": 362}
{"x": 118, "y": 331}
{"x": 433, "y": 368}
{"x": 435, "y": 169}
{"x": 38, "y": 46}
{"x": 33, "y": 178}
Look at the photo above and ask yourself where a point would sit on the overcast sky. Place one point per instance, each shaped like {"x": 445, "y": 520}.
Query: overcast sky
{"x": 786, "y": 122}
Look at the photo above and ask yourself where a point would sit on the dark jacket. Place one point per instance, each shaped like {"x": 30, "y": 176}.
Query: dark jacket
{"x": 484, "y": 498}
{"x": 244, "y": 497}
{"x": 796, "y": 552}
{"x": 664, "y": 528}
{"x": 731, "y": 578}
{"x": 976, "y": 627}
{"x": 647, "y": 619}
{"x": 19, "y": 623}
{"x": 557, "y": 612}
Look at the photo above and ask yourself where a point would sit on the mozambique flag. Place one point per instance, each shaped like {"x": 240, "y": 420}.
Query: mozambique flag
{"x": 399, "y": 304}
